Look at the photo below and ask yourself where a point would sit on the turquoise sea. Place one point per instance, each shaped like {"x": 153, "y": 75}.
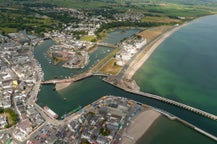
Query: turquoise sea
{"x": 165, "y": 131}
{"x": 184, "y": 67}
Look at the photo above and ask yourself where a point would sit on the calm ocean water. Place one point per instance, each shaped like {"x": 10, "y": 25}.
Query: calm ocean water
{"x": 184, "y": 67}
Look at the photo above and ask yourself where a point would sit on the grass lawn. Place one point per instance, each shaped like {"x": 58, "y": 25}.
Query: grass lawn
{"x": 104, "y": 60}
{"x": 152, "y": 33}
{"x": 10, "y": 121}
{"x": 88, "y": 38}
{"x": 8, "y": 30}
{"x": 111, "y": 68}
{"x": 159, "y": 19}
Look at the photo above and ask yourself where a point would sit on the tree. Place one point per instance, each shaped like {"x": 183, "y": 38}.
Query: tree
{"x": 1, "y": 110}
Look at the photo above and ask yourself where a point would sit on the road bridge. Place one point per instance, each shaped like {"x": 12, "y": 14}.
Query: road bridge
{"x": 73, "y": 79}
{"x": 107, "y": 45}
{"x": 101, "y": 74}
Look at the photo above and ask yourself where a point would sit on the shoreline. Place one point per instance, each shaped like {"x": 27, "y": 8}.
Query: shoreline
{"x": 140, "y": 124}
{"x": 137, "y": 63}
{"x": 61, "y": 86}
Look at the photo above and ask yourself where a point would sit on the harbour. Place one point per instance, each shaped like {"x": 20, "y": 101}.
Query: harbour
{"x": 99, "y": 88}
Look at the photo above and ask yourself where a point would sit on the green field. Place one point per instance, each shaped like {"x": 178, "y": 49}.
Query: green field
{"x": 8, "y": 30}
{"x": 16, "y": 19}
{"x": 88, "y": 38}
{"x": 16, "y": 15}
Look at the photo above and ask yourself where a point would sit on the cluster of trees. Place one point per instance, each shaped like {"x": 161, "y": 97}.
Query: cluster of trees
{"x": 61, "y": 17}
{"x": 12, "y": 116}
{"x": 47, "y": 5}
{"x": 1, "y": 110}
{"x": 105, "y": 131}
{"x": 127, "y": 23}
{"x": 23, "y": 19}
{"x": 78, "y": 34}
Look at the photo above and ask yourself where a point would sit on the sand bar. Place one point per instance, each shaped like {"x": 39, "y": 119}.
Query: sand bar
{"x": 139, "y": 125}
{"x": 60, "y": 86}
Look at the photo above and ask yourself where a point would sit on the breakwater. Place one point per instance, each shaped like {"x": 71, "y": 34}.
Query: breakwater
{"x": 181, "y": 105}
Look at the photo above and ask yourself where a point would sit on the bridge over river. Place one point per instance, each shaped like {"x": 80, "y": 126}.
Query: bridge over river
{"x": 107, "y": 45}
{"x": 73, "y": 79}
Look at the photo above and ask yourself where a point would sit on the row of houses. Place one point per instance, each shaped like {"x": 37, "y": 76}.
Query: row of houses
{"x": 129, "y": 48}
{"x": 129, "y": 16}
{"x": 18, "y": 77}
{"x": 102, "y": 122}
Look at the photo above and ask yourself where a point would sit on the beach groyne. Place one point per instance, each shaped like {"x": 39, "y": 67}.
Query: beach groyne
{"x": 172, "y": 117}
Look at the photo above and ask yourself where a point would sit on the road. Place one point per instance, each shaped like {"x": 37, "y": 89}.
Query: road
{"x": 73, "y": 79}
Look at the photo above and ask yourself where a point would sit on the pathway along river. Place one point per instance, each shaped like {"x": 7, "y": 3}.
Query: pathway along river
{"x": 86, "y": 91}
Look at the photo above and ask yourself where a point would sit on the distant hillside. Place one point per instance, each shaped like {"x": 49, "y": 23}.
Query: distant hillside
{"x": 112, "y": 1}
{"x": 189, "y": 1}
{"x": 171, "y": 8}
{"x": 169, "y": 1}
{"x": 20, "y": 14}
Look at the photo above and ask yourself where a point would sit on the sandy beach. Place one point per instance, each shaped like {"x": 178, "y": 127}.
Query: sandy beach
{"x": 140, "y": 60}
{"x": 139, "y": 125}
{"x": 60, "y": 86}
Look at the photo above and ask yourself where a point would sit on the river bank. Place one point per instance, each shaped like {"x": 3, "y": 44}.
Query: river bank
{"x": 61, "y": 86}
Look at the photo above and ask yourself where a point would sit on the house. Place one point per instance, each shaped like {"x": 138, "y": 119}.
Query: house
{"x": 5, "y": 103}
{"x": 74, "y": 126}
{"x": 86, "y": 135}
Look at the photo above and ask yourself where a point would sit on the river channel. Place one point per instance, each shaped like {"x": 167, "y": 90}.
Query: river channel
{"x": 86, "y": 91}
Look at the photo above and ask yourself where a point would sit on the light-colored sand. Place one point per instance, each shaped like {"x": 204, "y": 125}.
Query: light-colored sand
{"x": 60, "y": 86}
{"x": 140, "y": 60}
{"x": 139, "y": 125}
